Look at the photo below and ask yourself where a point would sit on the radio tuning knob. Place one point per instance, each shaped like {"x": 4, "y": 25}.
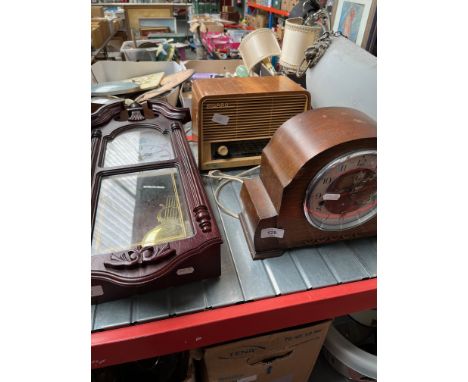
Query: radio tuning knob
{"x": 222, "y": 150}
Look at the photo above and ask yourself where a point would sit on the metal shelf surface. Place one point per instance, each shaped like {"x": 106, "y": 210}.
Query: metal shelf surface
{"x": 215, "y": 326}
{"x": 250, "y": 297}
{"x": 243, "y": 279}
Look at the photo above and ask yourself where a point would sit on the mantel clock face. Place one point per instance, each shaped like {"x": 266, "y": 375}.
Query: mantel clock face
{"x": 343, "y": 194}
{"x": 317, "y": 183}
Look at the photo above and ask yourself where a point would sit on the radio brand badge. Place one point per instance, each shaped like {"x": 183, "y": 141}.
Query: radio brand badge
{"x": 219, "y": 105}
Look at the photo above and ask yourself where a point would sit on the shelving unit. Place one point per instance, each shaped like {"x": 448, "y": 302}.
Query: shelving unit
{"x": 154, "y": 5}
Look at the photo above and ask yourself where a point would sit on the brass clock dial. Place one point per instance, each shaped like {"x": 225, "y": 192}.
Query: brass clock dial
{"x": 343, "y": 194}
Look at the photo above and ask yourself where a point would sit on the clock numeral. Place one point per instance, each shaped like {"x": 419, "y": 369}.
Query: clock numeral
{"x": 343, "y": 167}
{"x": 318, "y": 196}
{"x": 326, "y": 180}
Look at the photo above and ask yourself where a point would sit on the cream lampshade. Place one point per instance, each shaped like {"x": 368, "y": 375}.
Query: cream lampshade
{"x": 257, "y": 46}
{"x": 297, "y": 38}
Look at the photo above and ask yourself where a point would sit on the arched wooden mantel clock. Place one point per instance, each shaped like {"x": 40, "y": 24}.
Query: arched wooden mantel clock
{"x": 317, "y": 183}
{"x": 152, "y": 226}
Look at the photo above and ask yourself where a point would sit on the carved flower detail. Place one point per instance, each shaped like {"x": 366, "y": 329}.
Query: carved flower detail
{"x": 140, "y": 256}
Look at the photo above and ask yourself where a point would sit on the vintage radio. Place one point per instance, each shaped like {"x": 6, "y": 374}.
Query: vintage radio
{"x": 234, "y": 118}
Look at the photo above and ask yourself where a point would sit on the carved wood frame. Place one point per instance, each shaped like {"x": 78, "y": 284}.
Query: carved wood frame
{"x": 105, "y": 113}
{"x": 135, "y": 267}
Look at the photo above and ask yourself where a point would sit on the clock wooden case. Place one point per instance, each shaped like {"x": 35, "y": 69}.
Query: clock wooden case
{"x": 152, "y": 226}
{"x": 317, "y": 183}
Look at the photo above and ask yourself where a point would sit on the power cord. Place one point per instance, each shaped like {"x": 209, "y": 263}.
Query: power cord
{"x": 225, "y": 179}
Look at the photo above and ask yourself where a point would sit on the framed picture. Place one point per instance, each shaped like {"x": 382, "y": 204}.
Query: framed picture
{"x": 354, "y": 18}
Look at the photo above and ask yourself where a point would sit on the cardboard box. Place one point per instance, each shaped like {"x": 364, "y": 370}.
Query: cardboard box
{"x": 250, "y": 20}
{"x": 213, "y": 66}
{"x": 214, "y": 27}
{"x": 115, "y": 24}
{"x": 254, "y": 22}
{"x": 260, "y": 21}
{"x": 96, "y": 37}
{"x": 207, "y": 66}
{"x": 286, "y": 356}
{"x": 97, "y": 11}
{"x": 205, "y": 24}
{"x": 288, "y": 5}
{"x": 107, "y": 71}
{"x": 103, "y": 25}
{"x": 231, "y": 16}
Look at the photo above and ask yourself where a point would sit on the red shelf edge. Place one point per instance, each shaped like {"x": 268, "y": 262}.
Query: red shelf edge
{"x": 268, "y": 9}
{"x": 209, "y": 327}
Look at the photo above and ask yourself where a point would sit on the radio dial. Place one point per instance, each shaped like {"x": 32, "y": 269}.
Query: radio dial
{"x": 222, "y": 150}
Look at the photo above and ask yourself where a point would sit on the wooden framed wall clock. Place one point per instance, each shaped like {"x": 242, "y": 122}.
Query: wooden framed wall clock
{"x": 152, "y": 226}
{"x": 317, "y": 183}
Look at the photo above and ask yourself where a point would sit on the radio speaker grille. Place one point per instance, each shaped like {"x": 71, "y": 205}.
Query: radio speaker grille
{"x": 250, "y": 110}
{"x": 248, "y": 117}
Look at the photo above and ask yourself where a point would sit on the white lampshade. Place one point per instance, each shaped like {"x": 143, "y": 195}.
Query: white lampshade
{"x": 257, "y": 46}
{"x": 297, "y": 38}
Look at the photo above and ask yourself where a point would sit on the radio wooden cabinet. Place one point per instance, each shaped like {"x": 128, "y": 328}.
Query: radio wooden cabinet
{"x": 234, "y": 118}
{"x": 152, "y": 226}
